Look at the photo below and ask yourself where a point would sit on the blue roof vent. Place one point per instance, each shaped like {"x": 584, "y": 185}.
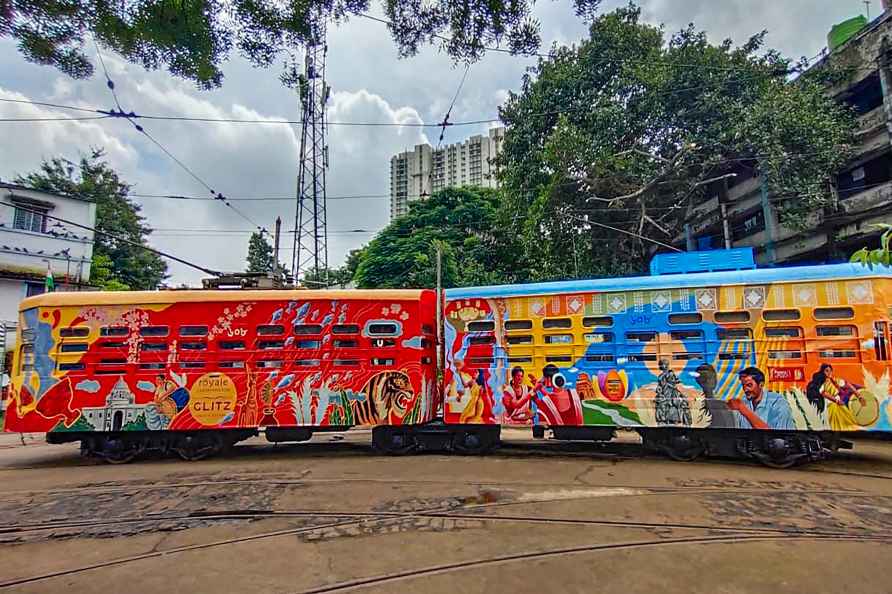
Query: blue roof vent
{"x": 705, "y": 261}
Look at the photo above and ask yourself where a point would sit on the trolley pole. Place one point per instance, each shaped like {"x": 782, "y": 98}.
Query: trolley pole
{"x": 276, "y": 267}
{"x": 440, "y": 363}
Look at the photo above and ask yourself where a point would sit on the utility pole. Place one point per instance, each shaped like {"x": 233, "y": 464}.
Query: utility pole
{"x": 310, "y": 250}
{"x": 276, "y": 268}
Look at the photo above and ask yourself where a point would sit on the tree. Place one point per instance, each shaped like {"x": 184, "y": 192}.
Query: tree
{"x": 882, "y": 255}
{"x": 463, "y": 220}
{"x": 192, "y": 38}
{"x": 630, "y": 130}
{"x": 260, "y": 254}
{"x": 116, "y": 265}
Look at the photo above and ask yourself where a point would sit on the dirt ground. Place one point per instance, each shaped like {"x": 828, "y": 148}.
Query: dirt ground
{"x": 332, "y": 516}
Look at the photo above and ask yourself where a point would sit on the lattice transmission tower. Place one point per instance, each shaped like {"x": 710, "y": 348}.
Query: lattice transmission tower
{"x": 310, "y": 251}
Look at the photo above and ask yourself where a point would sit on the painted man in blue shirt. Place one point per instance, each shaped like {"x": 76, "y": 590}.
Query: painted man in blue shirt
{"x": 760, "y": 409}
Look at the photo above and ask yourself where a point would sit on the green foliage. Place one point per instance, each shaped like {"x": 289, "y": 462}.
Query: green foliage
{"x": 121, "y": 265}
{"x": 631, "y": 129}
{"x": 881, "y": 256}
{"x": 462, "y": 222}
{"x": 101, "y": 275}
{"x": 260, "y": 254}
{"x": 81, "y": 424}
{"x": 192, "y": 38}
{"x": 138, "y": 424}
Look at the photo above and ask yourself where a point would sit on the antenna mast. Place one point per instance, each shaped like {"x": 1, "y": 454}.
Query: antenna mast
{"x": 310, "y": 251}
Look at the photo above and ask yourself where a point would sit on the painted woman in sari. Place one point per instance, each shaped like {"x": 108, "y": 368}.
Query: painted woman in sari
{"x": 837, "y": 393}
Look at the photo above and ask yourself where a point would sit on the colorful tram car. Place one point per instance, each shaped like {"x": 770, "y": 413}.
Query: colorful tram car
{"x": 772, "y": 363}
{"x": 194, "y": 371}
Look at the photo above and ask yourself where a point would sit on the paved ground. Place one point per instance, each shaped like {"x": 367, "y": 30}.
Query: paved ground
{"x": 332, "y": 516}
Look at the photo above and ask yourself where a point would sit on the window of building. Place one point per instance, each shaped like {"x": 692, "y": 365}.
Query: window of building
{"x": 868, "y": 175}
{"x": 865, "y": 96}
{"x": 749, "y": 225}
{"x": 30, "y": 219}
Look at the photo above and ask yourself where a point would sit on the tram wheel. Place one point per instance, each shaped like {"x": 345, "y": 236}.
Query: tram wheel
{"x": 683, "y": 448}
{"x": 393, "y": 441}
{"x": 471, "y": 442}
{"x": 120, "y": 450}
{"x": 193, "y": 448}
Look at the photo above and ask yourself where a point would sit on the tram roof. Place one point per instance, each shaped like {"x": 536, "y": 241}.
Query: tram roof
{"x": 672, "y": 281}
{"x": 61, "y": 299}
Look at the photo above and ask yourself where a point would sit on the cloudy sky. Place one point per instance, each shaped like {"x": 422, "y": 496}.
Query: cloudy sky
{"x": 369, "y": 84}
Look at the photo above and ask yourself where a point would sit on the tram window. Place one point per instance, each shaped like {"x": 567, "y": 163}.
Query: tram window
{"x": 880, "y": 347}
{"x": 113, "y": 361}
{"x": 518, "y": 324}
{"x": 153, "y": 331}
{"x": 593, "y": 321}
{"x": 838, "y": 354}
{"x": 71, "y": 366}
{"x": 192, "y": 364}
{"x": 641, "y": 357}
{"x": 781, "y": 315}
{"x": 307, "y": 344}
{"x": 114, "y": 331}
{"x": 559, "y": 339}
{"x": 686, "y": 335}
{"x": 557, "y": 323}
{"x": 482, "y": 340}
{"x": 641, "y": 336}
{"x": 734, "y": 356}
{"x": 271, "y": 364}
{"x": 265, "y": 345}
{"x": 27, "y": 357}
{"x": 193, "y": 330}
{"x": 481, "y": 361}
{"x": 303, "y": 329}
{"x": 836, "y": 331}
{"x": 685, "y": 318}
{"x": 271, "y": 330}
{"x": 383, "y": 329}
{"x": 784, "y": 354}
{"x": 113, "y": 345}
{"x": 484, "y": 326}
{"x": 74, "y": 347}
{"x": 558, "y": 359}
{"x": 75, "y": 332}
{"x": 382, "y": 362}
{"x": 732, "y": 317}
{"x": 306, "y": 362}
{"x": 345, "y": 344}
{"x": 520, "y": 339}
{"x": 152, "y": 365}
{"x": 383, "y": 342}
{"x": 341, "y": 329}
{"x": 689, "y": 356}
{"x": 599, "y": 357}
{"x": 788, "y": 332}
{"x": 231, "y": 345}
{"x": 598, "y": 337}
{"x": 153, "y": 346}
{"x": 231, "y": 364}
{"x": 834, "y": 313}
{"x": 346, "y": 362}
{"x": 193, "y": 346}
{"x": 110, "y": 371}
{"x": 734, "y": 334}
{"x": 520, "y": 359}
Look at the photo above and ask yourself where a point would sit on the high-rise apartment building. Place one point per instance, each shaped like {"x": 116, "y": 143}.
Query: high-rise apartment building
{"x": 415, "y": 174}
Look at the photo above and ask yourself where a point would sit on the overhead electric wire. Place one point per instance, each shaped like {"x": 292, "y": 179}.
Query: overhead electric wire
{"x": 60, "y": 119}
{"x": 115, "y": 237}
{"x": 131, "y": 117}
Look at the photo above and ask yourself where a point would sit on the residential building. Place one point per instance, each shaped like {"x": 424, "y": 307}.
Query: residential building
{"x": 416, "y": 174}
{"x": 738, "y": 211}
{"x": 30, "y": 242}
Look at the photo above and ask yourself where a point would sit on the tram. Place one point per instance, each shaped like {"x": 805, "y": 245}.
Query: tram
{"x": 777, "y": 365}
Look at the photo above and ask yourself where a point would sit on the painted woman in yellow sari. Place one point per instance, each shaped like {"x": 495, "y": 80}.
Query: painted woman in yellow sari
{"x": 464, "y": 385}
{"x": 837, "y": 393}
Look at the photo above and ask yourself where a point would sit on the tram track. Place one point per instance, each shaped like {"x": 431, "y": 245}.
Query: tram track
{"x": 445, "y": 568}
